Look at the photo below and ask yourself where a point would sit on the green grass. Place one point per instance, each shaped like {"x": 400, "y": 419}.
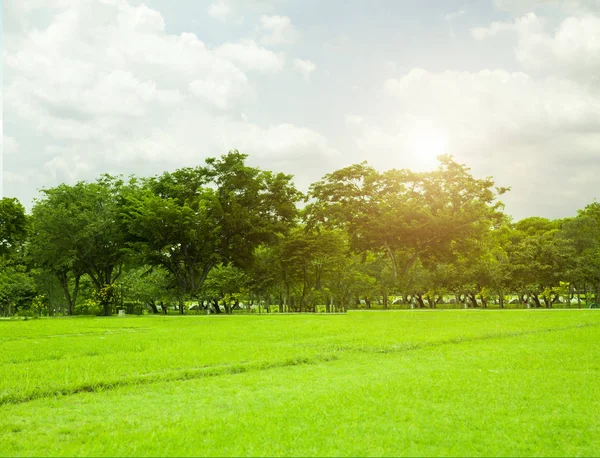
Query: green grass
{"x": 382, "y": 383}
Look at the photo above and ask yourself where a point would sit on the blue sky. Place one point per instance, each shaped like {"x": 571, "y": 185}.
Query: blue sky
{"x": 509, "y": 87}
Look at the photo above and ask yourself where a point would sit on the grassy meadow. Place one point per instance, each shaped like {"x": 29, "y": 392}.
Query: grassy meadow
{"x": 461, "y": 382}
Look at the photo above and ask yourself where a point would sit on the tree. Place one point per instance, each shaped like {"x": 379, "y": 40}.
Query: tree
{"x": 583, "y": 234}
{"x": 226, "y": 284}
{"x": 408, "y": 216}
{"x": 13, "y": 225}
{"x": 77, "y": 230}
{"x": 17, "y": 288}
{"x": 148, "y": 286}
{"x": 540, "y": 257}
{"x": 193, "y": 219}
{"x": 56, "y": 226}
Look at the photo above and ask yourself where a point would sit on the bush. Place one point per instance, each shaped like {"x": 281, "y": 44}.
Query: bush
{"x": 26, "y": 313}
{"x": 88, "y": 307}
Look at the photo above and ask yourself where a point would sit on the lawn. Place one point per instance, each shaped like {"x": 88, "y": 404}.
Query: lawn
{"x": 459, "y": 382}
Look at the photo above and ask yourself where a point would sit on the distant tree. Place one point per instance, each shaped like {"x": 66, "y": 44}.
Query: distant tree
{"x": 17, "y": 288}
{"x": 540, "y": 259}
{"x": 583, "y": 234}
{"x": 57, "y": 226}
{"x": 193, "y": 219}
{"x": 149, "y": 286}
{"x": 13, "y": 225}
{"x": 224, "y": 284}
{"x": 77, "y": 230}
{"x": 408, "y": 216}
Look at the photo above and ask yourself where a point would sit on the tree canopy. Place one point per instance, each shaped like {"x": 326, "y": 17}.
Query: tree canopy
{"x": 225, "y": 236}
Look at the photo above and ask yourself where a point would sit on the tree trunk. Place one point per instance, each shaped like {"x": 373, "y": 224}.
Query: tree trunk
{"x": 483, "y": 301}
{"x": 71, "y": 299}
{"x": 152, "y": 305}
{"x": 430, "y": 301}
{"x": 473, "y": 299}
{"x": 106, "y": 307}
{"x": 547, "y": 301}
{"x": 215, "y": 305}
{"x": 390, "y": 253}
{"x": 181, "y": 306}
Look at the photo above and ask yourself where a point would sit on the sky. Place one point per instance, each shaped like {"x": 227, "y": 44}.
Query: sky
{"x": 511, "y": 88}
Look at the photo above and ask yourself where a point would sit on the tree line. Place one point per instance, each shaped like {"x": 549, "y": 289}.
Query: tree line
{"x": 226, "y": 236}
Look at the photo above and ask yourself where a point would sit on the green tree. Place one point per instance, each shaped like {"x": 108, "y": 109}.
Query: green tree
{"x": 13, "y": 225}
{"x": 224, "y": 284}
{"x": 193, "y": 219}
{"x": 77, "y": 230}
{"x": 540, "y": 256}
{"x": 149, "y": 287}
{"x": 17, "y": 288}
{"x": 583, "y": 234}
{"x": 408, "y": 216}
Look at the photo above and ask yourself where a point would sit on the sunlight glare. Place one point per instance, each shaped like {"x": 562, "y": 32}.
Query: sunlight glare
{"x": 427, "y": 145}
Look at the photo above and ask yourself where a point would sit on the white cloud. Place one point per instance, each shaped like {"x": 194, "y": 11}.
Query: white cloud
{"x": 221, "y": 89}
{"x": 353, "y": 120}
{"x": 220, "y": 9}
{"x": 572, "y": 50}
{"x": 10, "y": 145}
{"x": 496, "y": 102}
{"x": 526, "y": 6}
{"x": 523, "y": 6}
{"x": 527, "y": 24}
{"x": 235, "y": 10}
{"x": 249, "y": 56}
{"x": 455, "y": 15}
{"x": 305, "y": 67}
{"x": 481, "y": 33}
{"x": 276, "y": 30}
{"x": 104, "y": 87}
{"x": 528, "y": 132}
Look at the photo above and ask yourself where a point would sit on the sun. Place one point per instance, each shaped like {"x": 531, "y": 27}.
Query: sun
{"x": 427, "y": 144}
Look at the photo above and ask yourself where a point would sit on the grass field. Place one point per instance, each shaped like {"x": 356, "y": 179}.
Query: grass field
{"x": 461, "y": 382}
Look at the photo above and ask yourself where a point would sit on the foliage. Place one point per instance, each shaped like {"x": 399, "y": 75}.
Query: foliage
{"x": 77, "y": 230}
{"x": 194, "y": 219}
{"x": 409, "y": 216}
{"x": 13, "y": 225}
{"x": 226, "y": 234}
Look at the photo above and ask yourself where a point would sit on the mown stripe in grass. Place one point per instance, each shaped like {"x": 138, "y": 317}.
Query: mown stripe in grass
{"x": 228, "y": 369}
{"x": 74, "y": 334}
{"x": 174, "y": 375}
{"x": 458, "y": 340}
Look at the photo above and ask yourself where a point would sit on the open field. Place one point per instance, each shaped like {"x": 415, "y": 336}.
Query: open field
{"x": 458, "y": 382}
